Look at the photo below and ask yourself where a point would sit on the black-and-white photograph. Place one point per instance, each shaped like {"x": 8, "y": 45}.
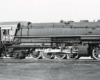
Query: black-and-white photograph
{"x": 49, "y": 39}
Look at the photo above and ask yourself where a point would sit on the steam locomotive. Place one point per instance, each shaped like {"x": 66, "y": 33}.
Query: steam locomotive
{"x": 63, "y": 40}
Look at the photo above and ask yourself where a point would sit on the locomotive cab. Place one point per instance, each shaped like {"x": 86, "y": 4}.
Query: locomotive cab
{"x": 6, "y": 33}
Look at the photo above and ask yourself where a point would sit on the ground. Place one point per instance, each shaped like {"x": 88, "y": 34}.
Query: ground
{"x": 31, "y": 69}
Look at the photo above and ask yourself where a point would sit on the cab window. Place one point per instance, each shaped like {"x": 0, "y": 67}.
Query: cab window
{"x": 5, "y": 32}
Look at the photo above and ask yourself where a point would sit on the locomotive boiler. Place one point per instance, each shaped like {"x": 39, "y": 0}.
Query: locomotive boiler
{"x": 63, "y": 40}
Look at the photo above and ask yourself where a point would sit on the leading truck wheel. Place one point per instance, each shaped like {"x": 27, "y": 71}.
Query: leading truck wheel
{"x": 96, "y": 53}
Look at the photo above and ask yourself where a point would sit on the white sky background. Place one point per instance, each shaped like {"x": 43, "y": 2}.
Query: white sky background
{"x": 49, "y": 10}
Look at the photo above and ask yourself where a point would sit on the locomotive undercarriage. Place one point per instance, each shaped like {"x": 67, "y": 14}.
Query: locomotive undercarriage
{"x": 53, "y": 51}
{"x": 40, "y": 53}
{"x": 67, "y": 52}
{"x": 51, "y": 48}
{"x": 62, "y": 49}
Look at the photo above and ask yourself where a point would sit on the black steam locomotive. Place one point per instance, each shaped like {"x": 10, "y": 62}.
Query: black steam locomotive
{"x": 63, "y": 40}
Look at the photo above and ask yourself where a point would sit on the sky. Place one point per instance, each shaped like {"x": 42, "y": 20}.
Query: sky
{"x": 37, "y": 11}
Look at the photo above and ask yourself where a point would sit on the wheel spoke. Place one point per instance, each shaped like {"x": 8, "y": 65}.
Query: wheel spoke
{"x": 48, "y": 55}
{"x": 61, "y": 56}
{"x": 36, "y": 55}
{"x": 74, "y": 56}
